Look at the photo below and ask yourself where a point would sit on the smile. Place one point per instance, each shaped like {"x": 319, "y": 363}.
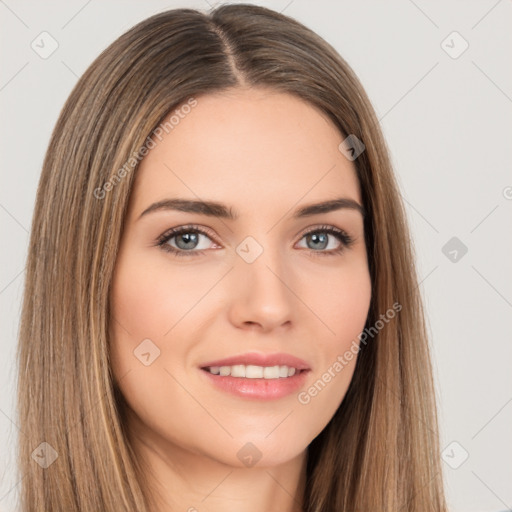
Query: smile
{"x": 253, "y": 372}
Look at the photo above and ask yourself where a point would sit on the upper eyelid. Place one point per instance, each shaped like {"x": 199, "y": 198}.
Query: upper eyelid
{"x": 171, "y": 233}
{"x": 187, "y": 227}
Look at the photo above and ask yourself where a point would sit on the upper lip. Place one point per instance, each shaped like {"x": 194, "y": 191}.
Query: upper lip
{"x": 259, "y": 359}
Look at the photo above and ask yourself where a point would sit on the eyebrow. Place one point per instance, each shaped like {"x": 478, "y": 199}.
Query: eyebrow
{"x": 220, "y": 210}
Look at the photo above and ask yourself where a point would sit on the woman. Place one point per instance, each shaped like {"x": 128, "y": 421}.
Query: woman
{"x": 221, "y": 309}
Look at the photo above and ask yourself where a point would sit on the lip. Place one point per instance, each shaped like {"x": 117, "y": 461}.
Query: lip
{"x": 257, "y": 389}
{"x": 260, "y": 359}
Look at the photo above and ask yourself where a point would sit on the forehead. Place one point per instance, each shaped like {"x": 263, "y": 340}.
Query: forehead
{"x": 243, "y": 146}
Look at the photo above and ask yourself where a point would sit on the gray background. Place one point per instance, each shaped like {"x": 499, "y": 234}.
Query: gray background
{"x": 447, "y": 122}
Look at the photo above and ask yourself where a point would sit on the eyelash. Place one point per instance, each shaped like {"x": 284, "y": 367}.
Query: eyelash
{"x": 345, "y": 239}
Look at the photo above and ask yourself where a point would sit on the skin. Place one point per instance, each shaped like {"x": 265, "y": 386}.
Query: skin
{"x": 264, "y": 154}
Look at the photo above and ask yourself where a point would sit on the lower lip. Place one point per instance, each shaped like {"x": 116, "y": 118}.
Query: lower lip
{"x": 261, "y": 389}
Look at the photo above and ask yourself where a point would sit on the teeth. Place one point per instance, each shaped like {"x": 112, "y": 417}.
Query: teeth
{"x": 253, "y": 372}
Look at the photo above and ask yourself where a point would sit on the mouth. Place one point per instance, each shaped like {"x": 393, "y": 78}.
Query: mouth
{"x": 255, "y": 382}
{"x": 250, "y": 371}
{"x": 256, "y": 375}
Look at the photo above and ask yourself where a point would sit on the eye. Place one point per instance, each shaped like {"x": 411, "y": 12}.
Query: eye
{"x": 185, "y": 240}
{"x": 193, "y": 240}
{"x": 320, "y": 238}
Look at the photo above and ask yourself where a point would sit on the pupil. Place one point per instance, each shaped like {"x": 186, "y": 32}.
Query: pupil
{"x": 189, "y": 238}
{"x": 319, "y": 238}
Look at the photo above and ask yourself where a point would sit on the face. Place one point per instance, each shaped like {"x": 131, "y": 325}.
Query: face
{"x": 250, "y": 275}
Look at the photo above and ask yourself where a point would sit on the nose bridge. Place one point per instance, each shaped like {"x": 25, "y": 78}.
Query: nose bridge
{"x": 261, "y": 292}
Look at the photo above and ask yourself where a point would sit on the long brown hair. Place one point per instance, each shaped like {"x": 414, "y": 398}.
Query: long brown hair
{"x": 380, "y": 450}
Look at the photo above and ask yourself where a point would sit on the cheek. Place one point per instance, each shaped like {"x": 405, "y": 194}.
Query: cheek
{"x": 148, "y": 299}
{"x": 340, "y": 299}
{"x": 346, "y": 305}
{"x": 136, "y": 315}
{"x": 146, "y": 302}
{"x": 342, "y": 308}
{"x": 152, "y": 301}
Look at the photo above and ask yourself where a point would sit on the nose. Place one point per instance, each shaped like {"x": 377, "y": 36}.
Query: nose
{"x": 261, "y": 295}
